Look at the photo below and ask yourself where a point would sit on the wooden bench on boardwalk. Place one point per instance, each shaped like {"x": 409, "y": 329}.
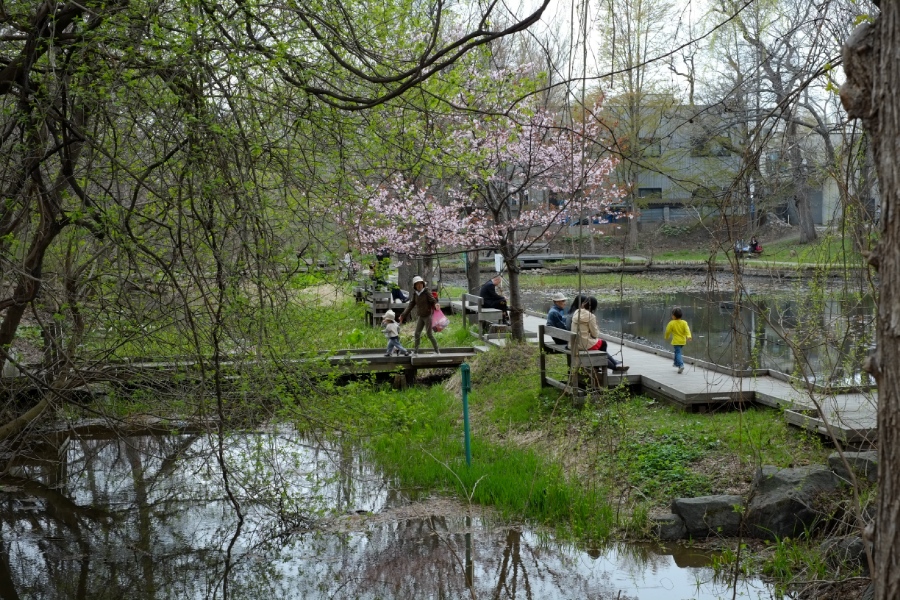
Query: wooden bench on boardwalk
{"x": 593, "y": 365}
{"x": 379, "y": 303}
{"x": 472, "y": 307}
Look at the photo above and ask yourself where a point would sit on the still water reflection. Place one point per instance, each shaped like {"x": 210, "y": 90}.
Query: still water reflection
{"x": 147, "y": 517}
{"x": 832, "y": 336}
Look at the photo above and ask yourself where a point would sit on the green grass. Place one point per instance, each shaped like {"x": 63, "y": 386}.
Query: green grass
{"x": 633, "y": 446}
{"x": 607, "y": 284}
{"x": 292, "y": 328}
{"x": 426, "y": 453}
{"x": 685, "y": 255}
{"x": 660, "y": 450}
{"x": 828, "y": 249}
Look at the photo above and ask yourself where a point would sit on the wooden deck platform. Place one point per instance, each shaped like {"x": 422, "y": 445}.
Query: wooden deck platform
{"x": 850, "y": 415}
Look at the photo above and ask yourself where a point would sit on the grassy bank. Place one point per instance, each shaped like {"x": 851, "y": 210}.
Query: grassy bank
{"x": 827, "y": 250}
{"x": 424, "y": 451}
{"x": 604, "y": 285}
{"x": 590, "y": 472}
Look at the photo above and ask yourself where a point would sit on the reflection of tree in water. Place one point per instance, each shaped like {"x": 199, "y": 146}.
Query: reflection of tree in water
{"x": 146, "y": 518}
{"x": 95, "y": 534}
{"x": 141, "y": 517}
{"x": 426, "y": 558}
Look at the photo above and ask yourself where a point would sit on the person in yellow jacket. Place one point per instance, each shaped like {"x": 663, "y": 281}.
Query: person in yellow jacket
{"x": 680, "y": 333}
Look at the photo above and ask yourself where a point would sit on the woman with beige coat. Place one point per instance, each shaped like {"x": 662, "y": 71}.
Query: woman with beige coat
{"x": 587, "y": 332}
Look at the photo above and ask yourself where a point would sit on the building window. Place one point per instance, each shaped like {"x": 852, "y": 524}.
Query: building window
{"x": 650, "y": 193}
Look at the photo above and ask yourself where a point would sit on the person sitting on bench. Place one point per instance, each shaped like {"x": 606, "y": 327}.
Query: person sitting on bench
{"x": 755, "y": 246}
{"x": 493, "y": 299}
{"x": 584, "y": 324}
{"x": 557, "y": 315}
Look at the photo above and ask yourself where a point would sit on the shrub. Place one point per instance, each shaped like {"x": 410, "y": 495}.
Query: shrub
{"x": 671, "y": 230}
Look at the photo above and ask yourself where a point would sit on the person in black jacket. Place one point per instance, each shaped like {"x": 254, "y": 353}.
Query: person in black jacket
{"x": 492, "y": 298}
{"x": 422, "y": 303}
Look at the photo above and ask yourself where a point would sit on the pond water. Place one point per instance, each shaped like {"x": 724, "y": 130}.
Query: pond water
{"x": 831, "y": 336}
{"x": 149, "y": 517}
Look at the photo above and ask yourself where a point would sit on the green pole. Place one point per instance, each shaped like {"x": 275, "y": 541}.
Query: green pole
{"x": 466, "y": 386}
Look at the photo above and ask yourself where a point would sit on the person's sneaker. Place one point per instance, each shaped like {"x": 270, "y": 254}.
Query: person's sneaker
{"x": 621, "y": 369}
{"x": 407, "y": 353}
{"x": 388, "y": 354}
{"x": 680, "y": 370}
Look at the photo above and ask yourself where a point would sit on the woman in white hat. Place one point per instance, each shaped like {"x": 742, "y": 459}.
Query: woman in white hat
{"x": 423, "y": 302}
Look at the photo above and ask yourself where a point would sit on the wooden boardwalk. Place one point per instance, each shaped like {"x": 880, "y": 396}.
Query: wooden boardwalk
{"x": 373, "y": 360}
{"x": 851, "y": 415}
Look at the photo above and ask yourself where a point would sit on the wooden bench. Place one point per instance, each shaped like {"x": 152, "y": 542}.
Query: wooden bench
{"x": 379, "y": 303}
{"x": 746, "y": 253}
{"x": 472, "y": 307}
{"x": 591, "y": 363}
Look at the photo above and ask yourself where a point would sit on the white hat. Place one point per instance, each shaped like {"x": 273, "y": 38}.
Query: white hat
{"x": 558, "y": 297}
{"x": 389, "y": 315}
{"x": 417, "y": 279}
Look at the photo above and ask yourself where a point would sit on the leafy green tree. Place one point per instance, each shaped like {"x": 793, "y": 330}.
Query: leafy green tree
{"x": 158, "y": 157}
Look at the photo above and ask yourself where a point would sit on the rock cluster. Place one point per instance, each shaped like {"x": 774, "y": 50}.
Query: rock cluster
{"x": 782, "y": 502}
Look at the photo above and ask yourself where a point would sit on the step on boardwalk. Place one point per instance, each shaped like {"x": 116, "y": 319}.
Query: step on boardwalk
{"x": 373, "y": 360}
{"x": 848, "y": 415}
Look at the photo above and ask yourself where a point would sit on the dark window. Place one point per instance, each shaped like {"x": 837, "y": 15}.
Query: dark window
{"x": 650, "y": 193}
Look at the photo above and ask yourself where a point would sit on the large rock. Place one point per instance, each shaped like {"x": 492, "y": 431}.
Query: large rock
{"x": 710, "y": 515}
{"x": 848, "y": 552}
{"x": 864, "y": 464}
{"x": 784, "y": 502}
{"x": 668, "y": 527}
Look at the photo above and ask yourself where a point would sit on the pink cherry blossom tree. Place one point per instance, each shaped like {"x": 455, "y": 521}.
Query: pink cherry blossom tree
{"x": 494, "y": 160}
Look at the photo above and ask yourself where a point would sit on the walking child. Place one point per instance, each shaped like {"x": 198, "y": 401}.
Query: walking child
{"x": 391, "y": 330}
{"x": 680, "y": 333}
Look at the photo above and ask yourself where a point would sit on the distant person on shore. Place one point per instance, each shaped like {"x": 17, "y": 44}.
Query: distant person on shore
{"x": 680, "y": 332}
{"x": 556, "y": 317}
{"x": 423, "y": 302}
{"x": 755, "y": 246}
{"x": 493, "y": 299}
{"x": 391, "y": 331}
{"x": 587, "y": 332}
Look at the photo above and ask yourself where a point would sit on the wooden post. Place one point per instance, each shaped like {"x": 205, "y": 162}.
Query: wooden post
{"x": 543, "y": 356}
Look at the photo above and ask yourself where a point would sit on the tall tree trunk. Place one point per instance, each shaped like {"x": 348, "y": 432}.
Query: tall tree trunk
{"x": 870, "y": 93}
{"x": 862, "y": 195}
{"x": 516, "y": 310}
{"x": 473, "y": 272}
{"x": 405, "y": 272}
{"x": 800, "y": 197}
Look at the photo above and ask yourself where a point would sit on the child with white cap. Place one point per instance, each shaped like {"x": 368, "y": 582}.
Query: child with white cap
{"x": 391, "y": 331}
